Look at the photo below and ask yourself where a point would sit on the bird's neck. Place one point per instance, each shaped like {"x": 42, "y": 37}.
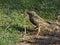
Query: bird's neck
{"x": 30, "y": 16}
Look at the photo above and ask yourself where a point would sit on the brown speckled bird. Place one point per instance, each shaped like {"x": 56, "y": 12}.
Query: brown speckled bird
{"x": 37, "y": 21}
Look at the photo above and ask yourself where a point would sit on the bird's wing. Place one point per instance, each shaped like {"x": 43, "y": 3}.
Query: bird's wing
{"x": 39, "y": 20}
{"x": 38, "y": 17}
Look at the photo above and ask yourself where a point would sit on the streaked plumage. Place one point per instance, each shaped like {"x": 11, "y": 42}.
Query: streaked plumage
{"x": 37, "y": 20}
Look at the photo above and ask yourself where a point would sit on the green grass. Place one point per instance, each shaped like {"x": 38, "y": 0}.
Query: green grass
{"x": 12, "y": 16}
{"x": 11, "y": 27}
{"x": 8, "y": 37}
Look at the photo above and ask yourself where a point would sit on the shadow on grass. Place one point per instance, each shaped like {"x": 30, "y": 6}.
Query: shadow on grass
{"x": 11, "y": 28}
{"x": 46, "y": 41}
{"x": 22, "y": 29}
{"x": 51, "y": 39}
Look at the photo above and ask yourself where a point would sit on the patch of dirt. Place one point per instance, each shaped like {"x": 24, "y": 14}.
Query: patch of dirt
{"x": 46, "y": 37}
{"x": 40, "y": 40}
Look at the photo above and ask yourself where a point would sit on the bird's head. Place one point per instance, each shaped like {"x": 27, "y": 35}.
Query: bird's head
{"x": 31, "y": 13}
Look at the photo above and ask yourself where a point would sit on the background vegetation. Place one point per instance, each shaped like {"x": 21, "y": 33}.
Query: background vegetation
{"x": 12, "y": 16}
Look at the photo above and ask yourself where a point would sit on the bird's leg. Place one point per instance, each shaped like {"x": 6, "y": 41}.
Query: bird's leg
{"x": 38, "y": 31}
{"x": 24, "y": 35}
{"x": 25, "y": 31}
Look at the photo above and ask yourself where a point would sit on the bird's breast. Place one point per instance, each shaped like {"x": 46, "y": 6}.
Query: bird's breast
{"x": 34, "y": 22}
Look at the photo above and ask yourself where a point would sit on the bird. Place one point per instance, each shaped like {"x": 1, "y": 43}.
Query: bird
{"x": 36, "y": 20}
